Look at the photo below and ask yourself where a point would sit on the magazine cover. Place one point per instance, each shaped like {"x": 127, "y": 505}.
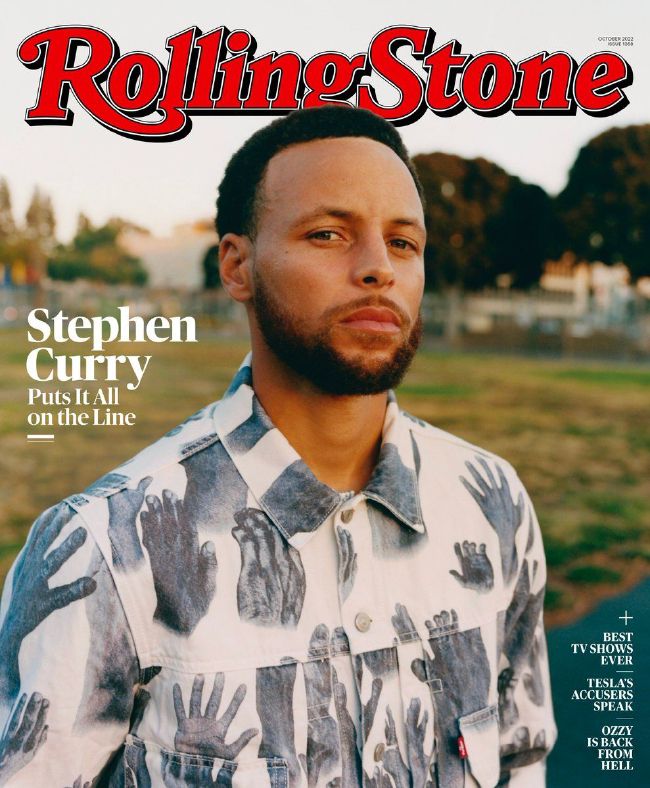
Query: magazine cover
{"x": 231, "y": 568}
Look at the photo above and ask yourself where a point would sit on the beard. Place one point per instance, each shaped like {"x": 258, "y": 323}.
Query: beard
{"x": 313, "y": 356}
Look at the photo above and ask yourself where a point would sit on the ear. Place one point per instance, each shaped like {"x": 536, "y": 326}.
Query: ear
{"x": 235, "y": 266}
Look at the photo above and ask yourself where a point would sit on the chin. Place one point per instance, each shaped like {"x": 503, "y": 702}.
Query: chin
{"x": 371, "y": 359}
{"x": 364, "y": 342}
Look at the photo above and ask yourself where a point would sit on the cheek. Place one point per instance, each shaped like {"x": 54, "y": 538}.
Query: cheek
{"x": 299, "y": 290}
{"x": 413, "y": 289}
{"x": 298, "y": 280}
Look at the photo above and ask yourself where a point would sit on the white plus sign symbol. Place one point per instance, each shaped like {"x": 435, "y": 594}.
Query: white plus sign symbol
{"x": 626, "y": 618}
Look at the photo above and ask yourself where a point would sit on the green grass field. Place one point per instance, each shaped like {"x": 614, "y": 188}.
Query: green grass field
{"x": 578, "y": 434}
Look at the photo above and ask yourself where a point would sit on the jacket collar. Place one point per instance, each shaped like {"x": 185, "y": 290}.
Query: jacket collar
{"x": 286, "y": 489}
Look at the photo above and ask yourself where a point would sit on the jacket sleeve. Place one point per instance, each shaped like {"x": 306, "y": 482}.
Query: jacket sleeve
{"x": 68, "y": 665}
{"x": 527, "y": 725}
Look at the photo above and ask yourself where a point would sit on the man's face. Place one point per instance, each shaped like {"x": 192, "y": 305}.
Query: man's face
{"x": 337, "y": 264}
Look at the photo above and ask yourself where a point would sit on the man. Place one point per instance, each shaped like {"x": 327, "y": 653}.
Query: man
{"x": 301, "y": 585}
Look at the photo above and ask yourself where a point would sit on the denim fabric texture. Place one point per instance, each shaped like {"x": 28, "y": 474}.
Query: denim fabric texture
{"x": 211, "y": 614}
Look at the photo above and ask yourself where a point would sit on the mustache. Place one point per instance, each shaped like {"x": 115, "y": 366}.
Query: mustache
{"x": 367, "y": 301}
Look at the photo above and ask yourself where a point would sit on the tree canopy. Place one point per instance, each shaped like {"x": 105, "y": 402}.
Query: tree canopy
{"x": 7, "y": 223}
{"x": 95, "y": 253}
{"x": 40, "y": 223}
{"x": 605, "y": 206}
{"x": 482, "y": 222}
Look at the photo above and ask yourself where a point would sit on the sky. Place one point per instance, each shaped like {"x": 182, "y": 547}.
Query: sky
{"x": 86, "y": 168}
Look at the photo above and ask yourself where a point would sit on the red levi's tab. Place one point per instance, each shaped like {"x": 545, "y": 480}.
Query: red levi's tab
{"x": 462, "y": 750}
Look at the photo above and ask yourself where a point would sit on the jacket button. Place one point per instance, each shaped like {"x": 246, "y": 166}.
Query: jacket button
{"x": 347, "y": 515}
{"x": 362, "y": 622}
{"x": 380, "y": 749}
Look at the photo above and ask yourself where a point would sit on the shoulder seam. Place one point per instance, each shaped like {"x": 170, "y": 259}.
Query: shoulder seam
{"x": 118, "y": 592}
{"x": 198, "y": 444}
{"x": 454, "y": 441}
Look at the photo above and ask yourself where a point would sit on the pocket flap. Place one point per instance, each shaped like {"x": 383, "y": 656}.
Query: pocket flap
{"x": 480, "y": 732}
{"x": 147, "y": 764}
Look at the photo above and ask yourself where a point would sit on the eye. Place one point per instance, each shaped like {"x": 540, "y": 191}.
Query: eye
{"x": 323, "y": 235}
{"x": 403, "y": 244}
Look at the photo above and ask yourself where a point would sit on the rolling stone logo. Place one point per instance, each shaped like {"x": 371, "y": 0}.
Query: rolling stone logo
{"x": 217, "y": 73}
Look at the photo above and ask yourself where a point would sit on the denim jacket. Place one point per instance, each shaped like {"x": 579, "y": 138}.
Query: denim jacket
{"x": 210, "y": 614}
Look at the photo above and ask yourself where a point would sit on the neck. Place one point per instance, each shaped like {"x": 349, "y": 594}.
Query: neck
{"x": 338, "y": 437}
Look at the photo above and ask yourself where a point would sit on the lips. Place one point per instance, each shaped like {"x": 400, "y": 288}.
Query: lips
{"x": 373, "y": 319}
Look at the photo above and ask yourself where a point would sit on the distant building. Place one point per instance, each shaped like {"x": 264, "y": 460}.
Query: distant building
{"x": 174, "y": 260}
{"x": 575, "y": 306}
{"x": 602, "y": 294}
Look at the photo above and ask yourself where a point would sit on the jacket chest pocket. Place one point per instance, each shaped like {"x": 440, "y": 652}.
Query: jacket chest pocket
{"x": 458, "y": 671}
{"x": 146, "y": 765}
{"x": 480, "y": 745}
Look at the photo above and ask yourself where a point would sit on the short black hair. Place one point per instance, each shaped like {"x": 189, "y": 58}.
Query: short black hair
{"x": 238, "y": 190}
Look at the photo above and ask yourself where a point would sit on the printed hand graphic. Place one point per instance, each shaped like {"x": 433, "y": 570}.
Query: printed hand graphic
{"x": 32, "y": 600}
{"x": 416, "y": 731}
{"x": 184, "y": 576}
{"x": 403, "y": 623}
{"x": 461, "y": 662}
{"x": 204, "y": 734}
{"x": 78, "y": 784}
{"x": 312, "y": 766}
{"x": 347, "y": 561}
{"x": 522, "y": 619}
{"x": 533, "y": 681}
{"x": 380, "y": 662}
{"x": 271, "y": 587}
{"x": 508, "y": 711}
{"x": 274, "y": 694}
{"x": 505, "y": 516}
{"x": 350, "y": 761}
{"x": 393, "y": 761}
{"x": 25, "y": 734}
{"x": 476, "y": 569}
{"x": 123, "y": 508}
{"x": 322, "y": 731}
{"x": 379, "y": 779}
{"x": 370, "y": 708}
{"x": 461, "y": 665}
{"x": 519, "y": 752}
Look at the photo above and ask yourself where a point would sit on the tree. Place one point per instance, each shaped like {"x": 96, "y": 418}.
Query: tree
{"x": 95, "y": 253}
{"x": 40, "y": 223}
{"x": 605, "y": 206}
{"x": 211, "y": 276}
{"x": 482, "y": 222}
{"x": 7, "y": 223}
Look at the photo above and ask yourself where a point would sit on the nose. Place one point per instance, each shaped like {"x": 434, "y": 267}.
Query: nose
{"x": 373, "y": 267}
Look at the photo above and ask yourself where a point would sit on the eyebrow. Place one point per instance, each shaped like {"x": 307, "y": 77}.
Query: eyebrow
{"x": 341, "y": 213}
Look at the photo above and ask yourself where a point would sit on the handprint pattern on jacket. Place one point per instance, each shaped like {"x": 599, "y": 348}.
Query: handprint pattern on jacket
{"x": 271, "y": 587}
{"x": 461, "y": 665}
{"x": 337, "y": 703}
{"x": 476, "y": 568}
{"x": 274, "y": 686}
{"x": 184, "y": 575}
{"x": 504, "y": 515}
{"x": 24, "y": 736}
{"x": 32, "y": 600}
{"x": 123, "y": 509}
{"x": 347, "y": 561}
{"x": 322, "y": 754}
{"x": 112, "y": 664}
{"x": 204, "y": 733}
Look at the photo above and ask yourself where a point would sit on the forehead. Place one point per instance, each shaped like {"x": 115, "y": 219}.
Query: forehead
{"x": 353, "y": 173}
